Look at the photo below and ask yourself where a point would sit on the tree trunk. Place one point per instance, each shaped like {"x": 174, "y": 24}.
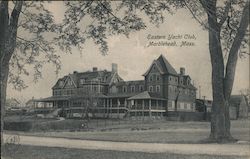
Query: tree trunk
{"x": 8, "y": 33}
{"x": 220, "y": 122}
{"x": 222, "y": 79}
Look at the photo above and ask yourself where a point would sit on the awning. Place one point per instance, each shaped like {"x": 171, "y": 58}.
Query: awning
{"x": 99, "y": 95}
{"x": 146, "y": 95}
{"x": 53, "y": 98}
{"x": 120, "y": 95}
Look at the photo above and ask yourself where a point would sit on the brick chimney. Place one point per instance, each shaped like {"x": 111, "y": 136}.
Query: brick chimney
{"x": 182, "y": 71}
{"x": 114, "y": 67}
{"x": 95, "y": 69}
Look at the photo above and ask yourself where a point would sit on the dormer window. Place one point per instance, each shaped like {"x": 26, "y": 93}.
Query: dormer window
{"x": 82, "y": 81}
{"x": 60, "y": 83}
{"x": 70, "y": 82}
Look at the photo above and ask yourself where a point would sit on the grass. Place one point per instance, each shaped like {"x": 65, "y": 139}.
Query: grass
{"x": 38, "y": 152}
{"x": 151, "y": 132}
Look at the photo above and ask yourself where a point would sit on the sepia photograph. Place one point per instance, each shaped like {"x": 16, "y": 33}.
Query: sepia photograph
{"x": 125, "y": 79}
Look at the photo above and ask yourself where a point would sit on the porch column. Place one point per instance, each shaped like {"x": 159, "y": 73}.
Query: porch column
{"x": 161, "y": 108}
{"x": 143, "y": 109}
{"x": 107, "y": 108}
{"x": 136, "y": 109}
{"x": 157, "y": 108}
{"x": 118, "y": 111}
{"x": 150, "y": 113}
{"x": 111, "y": 105}
{"x": 125, "y": 103}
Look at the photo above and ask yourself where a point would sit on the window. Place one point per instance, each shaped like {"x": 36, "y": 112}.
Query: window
{"x": 82, "y": 81}
{"x": 181, "y": 105}
{"x": 158, "y": 88}
{"x": 173, "y": 104}
{"x": 170, "y": 88}
{"x": 178, "y": 106}
{"x": 181, "y": 80}
{"x": 70, "y": 82}
{"x": 60, "y": 83}
{"x": 95, "y": 88}
{"x": 170, "y": 78}
{"x": 59, "y": 93}
{"x": 157, "y": 77}
{"x": 151, "y": 78}
{"x": 68, "y": 92}
{"x": 151, "y": 88}
{"x": 124, "y": 89}
{"x": 141, "y": 88}
{"x": 185, "y": 105}
{"x": 175, "y": 89}
{"x": 132, "y": 88}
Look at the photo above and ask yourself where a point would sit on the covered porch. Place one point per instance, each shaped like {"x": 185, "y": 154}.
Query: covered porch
{"x": 146, "y": 105}
{"x": 117, "y": 105}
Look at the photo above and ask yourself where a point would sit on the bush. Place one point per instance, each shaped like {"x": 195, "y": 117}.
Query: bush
{"x": 18, "y": 126}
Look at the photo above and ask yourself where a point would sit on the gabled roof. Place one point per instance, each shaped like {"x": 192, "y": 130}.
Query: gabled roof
{"x": 146, "y": 95}
{"x": 72, "y": 78}
{"x": 236, "y": 100}
{"x": 163, "y": 66}
{"x": 89, "y": 76}
{"x": 166, "y": 65}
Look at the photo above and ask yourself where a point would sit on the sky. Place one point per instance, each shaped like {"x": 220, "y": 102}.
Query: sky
{"x": 133, "y": 57}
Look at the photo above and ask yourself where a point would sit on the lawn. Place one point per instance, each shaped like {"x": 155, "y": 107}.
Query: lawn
{"x": 37, "y": 152}
{"x": 153, "y": 131}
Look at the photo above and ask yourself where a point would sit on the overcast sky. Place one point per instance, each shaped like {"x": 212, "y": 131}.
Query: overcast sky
{"x": 134, "y": 57}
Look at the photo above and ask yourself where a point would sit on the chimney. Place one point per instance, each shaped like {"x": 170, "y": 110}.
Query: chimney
{"x": 182, "y": 71}
{"x": 114, "y": 67}
{"x": 95, "y": 69}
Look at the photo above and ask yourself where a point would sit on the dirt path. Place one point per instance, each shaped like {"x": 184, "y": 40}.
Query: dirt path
{"x": 208, "y": 149}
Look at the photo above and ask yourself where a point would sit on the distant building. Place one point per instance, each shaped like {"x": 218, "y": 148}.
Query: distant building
{"x": 203, "y": 105}
{"x": 12, "y": 103}
{"x": 103, "y": 93}
{"x": 238, "y": 107}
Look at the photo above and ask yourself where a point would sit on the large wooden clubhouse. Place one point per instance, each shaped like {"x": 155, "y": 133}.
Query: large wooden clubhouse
{"x": 104, "y": 94}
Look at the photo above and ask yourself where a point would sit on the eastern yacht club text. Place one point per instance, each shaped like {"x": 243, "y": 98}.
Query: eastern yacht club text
{"x": 181, "y": 40}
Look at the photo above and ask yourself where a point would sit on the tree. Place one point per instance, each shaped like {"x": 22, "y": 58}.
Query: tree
{"x": 43, "y": 36}
{"x": 227, "y": 26}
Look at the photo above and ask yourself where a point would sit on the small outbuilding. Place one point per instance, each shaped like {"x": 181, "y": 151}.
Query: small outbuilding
{"x": 238, "y": 107}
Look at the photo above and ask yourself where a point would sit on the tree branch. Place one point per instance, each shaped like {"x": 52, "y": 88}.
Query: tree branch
{"x": 15, "y": 14}
{"x": 225, "y": 13}
{"x": 233, "y": 53}
{"x": 109, "y": 12}
{"x": 4, "y": 21}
